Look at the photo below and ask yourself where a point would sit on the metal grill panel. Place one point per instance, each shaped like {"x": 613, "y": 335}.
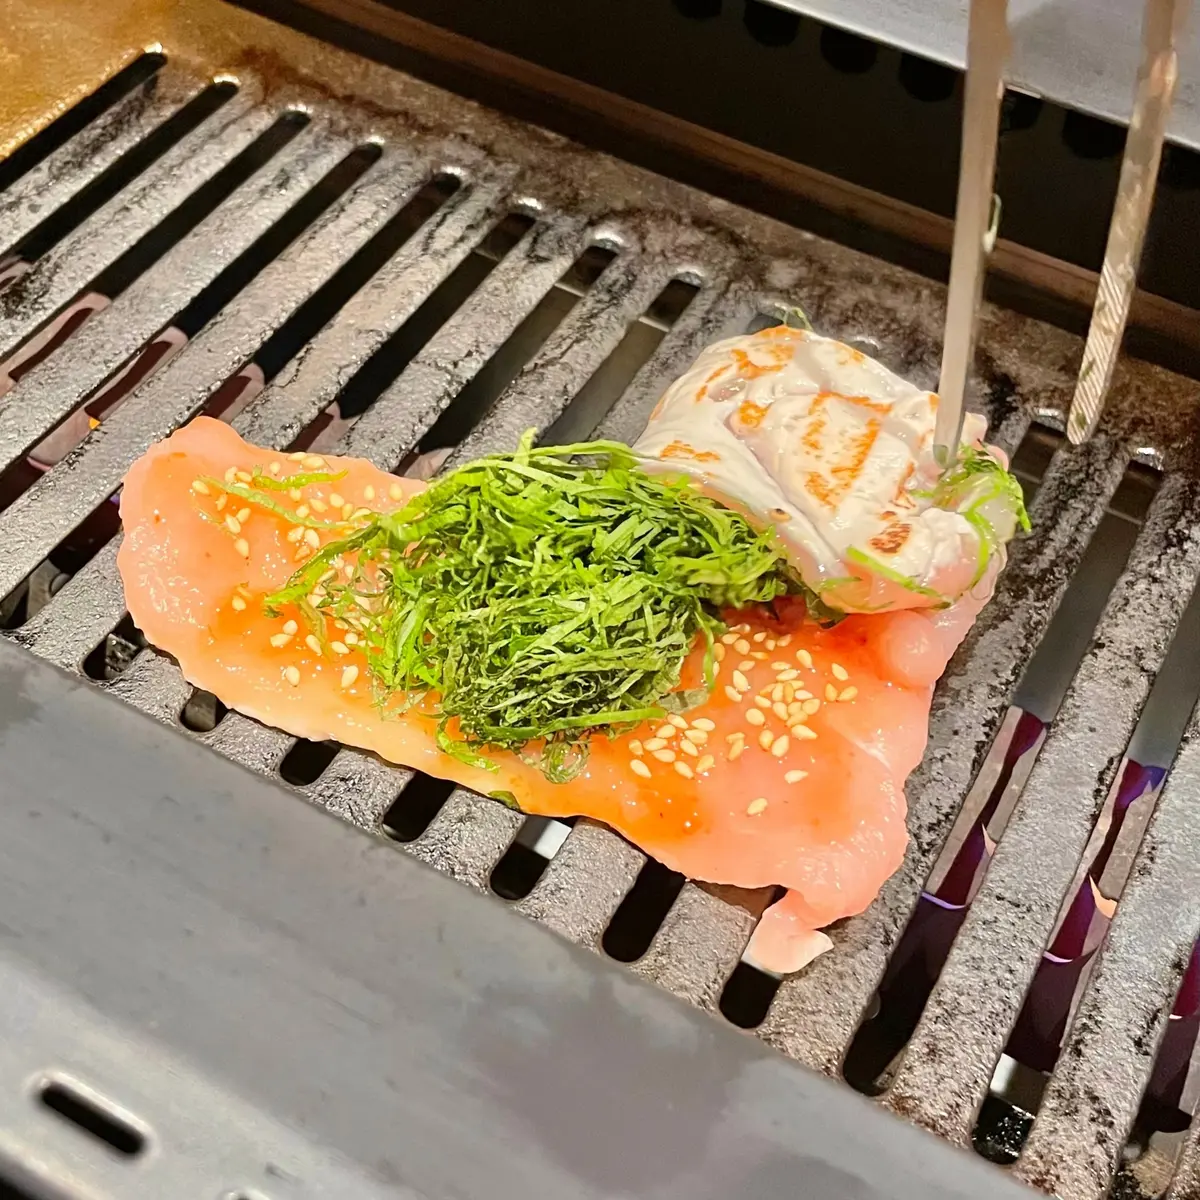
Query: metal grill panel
{"x": 743, "y": 265}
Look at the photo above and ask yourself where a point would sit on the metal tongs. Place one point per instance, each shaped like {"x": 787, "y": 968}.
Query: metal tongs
{"x": 977, "y": 211}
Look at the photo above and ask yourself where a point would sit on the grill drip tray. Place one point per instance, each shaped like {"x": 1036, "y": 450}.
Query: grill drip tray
{"x": 333, "y": 255}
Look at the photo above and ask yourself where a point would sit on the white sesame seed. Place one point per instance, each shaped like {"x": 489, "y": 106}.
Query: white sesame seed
{"x": 274, "y": 468}
{"x": 318, "y": 505}
{"x": 295, "y": 533}
{"x": 243, "y": 516}
{"x": 302, "y": 511}
{"x": 368, "y": 492}
{"x": 313, "y": 461}
{"x": 719, "y": 651}
{"x": 755, "y": 717}
{"x": 769, "y": 644}
{"x": 704, "y": 723}
{"x": 763, "y": 701}
{"x": 279, "y": 640}
{"x": 639, "y": 768}
{"x": 312, "y": 643}
{"x": 811, "y": 705}
{"x": 741, "y": 682}
{"x": 831, "y": 693}
{"x": 292, "y": 675}
{"x": 636, "y": 747}
{"x": 743, "y": 628}
{"x": 742, "y": 646}
{"x": 683, "y": 769}
{"x": 786, "y": 640}
{"x": 803, "y": 695}
{"x": 349, "y": 675}
{"x": 795, "y": 776}
{"x": 351, "y": 639}
{"x": 200, "y": 487}
{"x": 233, "y": 525}
{"x": 796, "y": 719}
{"x": 294, "y": 493}
{"x": 756, "y": 806}
{"x": 347, "y": 509}
{"x": 699, "y": 736}
{"x": 312, "y": 537}
{"x": 759, "y": 636}
{"x": 847, "y": 694}
{"x": 788, "y": 675}
{"x": 242, "y": 547}
{"x": 733, "y": 694}
{"x": 296, "y": 456}
{"x": 728, "y": 639}
{"x": 689, "y": 748}
{"x": 667, "y": 755}
{"x": 747, "y": 664}
{"x": 780, "y": 748}
{"x": 395, "y": 491}
{"x": 290, "y": 627}
{"x": 780, "y": 710}
{"x": 804, "y": 658}
{"x": 759, "y": 656}
{"x": 239, "y": 604}
{"x": 339, "y": 647}
{"x": 230, "y": 474}
{"x": 780, "y": 666}
{"x": 243, "y": 476}
{"x": 766, "y": 739}
{"x": 735, "y": 751}
{"x": 839, "y": 672}
{"x": 736, "y": 736}
{"x": 676, "y": 720}
{"x": 336, "y": 500}
{"x": 776, "y": 692}
{"x": 655, "y": 743}
{"x": 222, "y": 500}
{"x": 803, "y": 732}
{"x": 359, "y": 513}
{"x": 665, "y": 731}
{"x": 706, "y": 763}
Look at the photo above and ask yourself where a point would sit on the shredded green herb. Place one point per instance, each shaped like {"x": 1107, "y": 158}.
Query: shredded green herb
{"x": 534, "y": 600}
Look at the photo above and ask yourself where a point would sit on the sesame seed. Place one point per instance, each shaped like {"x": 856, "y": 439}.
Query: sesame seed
{"x": 635, "y": 747}
{"x": 733, "y": 694}
{"x": 294, "y": 493}
{"x": 699, "y": 736}
{"x": 242, "y": 547}
{"x": 290, "y": 627}
{"x": 243, "y": 516}
{"x": 736, "y": 736}
{"x": 803, "y": 695}
{"x": 795, "y": 776}
{"x": 780, "y": 710}
{"x": 741, "y": 682}
{"x": 279, "y": 640}
{"x": 796, "y": 719}
{"x": 239, "y": 604}
{"x": 742, "y": 646}
{"x": 295, "y": 533}
{"x": 296, "y": 456}
{"x": 755, "y": 717}
{"x": 735, "y": 751}
{"x": 719, "y": 652}
{"x": 318, "y": 505}
{"x": 769, "y": 644}
{"x": 312, "y": 537}
{"x": 804, "y": 658}
{"x": 336, "y": 500}
{"x": 763, "y": 701}
{"x": 847, "y": 694}
{"x": 275, "y": 468}
{"x": 222, "y": 500}
{"x": 839, "y": 672}
{"x": 765, "y": 739}
{"x": 347, "y": 509}
{"x": 780, "y": 666}
{"x": 639, "y": 768}
{"x": 747, "y": 664}
{"x": 666, "y": 755}
{"x": 313, "y": 461}
{"x": 243, "y": 476}
{"x": 831, "y": 693}
{"x": 199, "y": 486}
{"x": 780, "y": 748}
{"x": 665, "y": 731}
{"x": 233, "y": 525}
{"x": 302, "y": 511}
{"x": 689, "y": 748}
{"x": 351, "y": 639}
{"x": 756, "y": 806}
{"x": 759, "y": 636}
{"x": 803, "y": 732}
{"x": 230, "y": 474}
{"x": 706, "y": 763}
{"x": 311, "y": 642}
{"x": 789, "y": 693}
{"x": 655, "y": 743}
{"x": 728, "y": 639}
{"x": 743, "y": 628}
{"x": 292, "y": 675}
{"x": 368, "y": 492}
{"x": 339, "y": 647}
{"x": 704, "y": 723}
{"x": 811, "y": 705}
{"x": 683, "y": 769}
{"x": 676, "y": 720}
{"x": 759, "y": 656}
{"x": 794, "y": 707}
{"x": 349, "y": 675}
{"x": 788, "y": 675}
{"x": 776, "y": 692}
{"x": 395, "y": 491}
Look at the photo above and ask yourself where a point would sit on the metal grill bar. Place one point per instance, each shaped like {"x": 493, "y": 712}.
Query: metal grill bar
{"x": 1011, "y": 919}
{"x": 65, "y": 270}
{"x": 467, "y": 837}
{"x": 815, "y": 1013}
{"x": 66, "y": 172}
{"x": 54, "y": 388}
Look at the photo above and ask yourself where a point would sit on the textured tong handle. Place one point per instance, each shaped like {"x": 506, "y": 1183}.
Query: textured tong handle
{"x": 1157, "y": 75}
{"x": 975, "y": 214}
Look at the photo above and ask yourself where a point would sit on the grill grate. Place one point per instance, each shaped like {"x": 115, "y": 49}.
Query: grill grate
{"x": 102, "y": 194}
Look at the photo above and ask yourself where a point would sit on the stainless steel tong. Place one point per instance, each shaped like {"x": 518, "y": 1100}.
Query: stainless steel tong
{"x": 976, "y": 213}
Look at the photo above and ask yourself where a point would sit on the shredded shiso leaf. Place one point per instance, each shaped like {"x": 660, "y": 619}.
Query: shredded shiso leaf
{"x": 528, "y": 600}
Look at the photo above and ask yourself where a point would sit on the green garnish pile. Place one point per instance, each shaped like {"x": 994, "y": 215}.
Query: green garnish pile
{"x": 535, "y": 599}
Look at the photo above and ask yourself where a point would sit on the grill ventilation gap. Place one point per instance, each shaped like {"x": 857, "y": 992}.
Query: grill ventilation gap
{"x": 88, "y": 1115}
{"x": 642, "y": 912}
